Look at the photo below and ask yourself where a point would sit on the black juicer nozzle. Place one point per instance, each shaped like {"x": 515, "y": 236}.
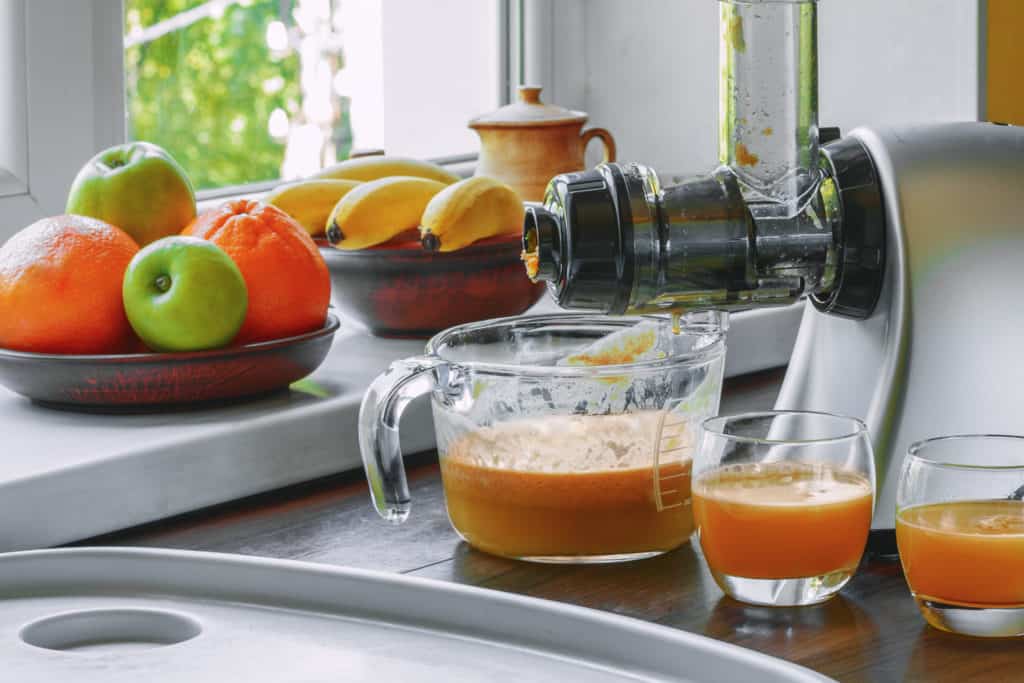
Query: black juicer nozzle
{"x": 591, "y": 268}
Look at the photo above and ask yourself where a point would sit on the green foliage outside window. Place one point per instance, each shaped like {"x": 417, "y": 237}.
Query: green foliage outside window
{"x": 201, "y": 91}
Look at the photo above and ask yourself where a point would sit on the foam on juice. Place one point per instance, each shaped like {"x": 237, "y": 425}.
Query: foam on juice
{"x": 567, "y": 486}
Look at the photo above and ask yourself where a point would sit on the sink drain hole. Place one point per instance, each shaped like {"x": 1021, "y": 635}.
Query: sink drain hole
{"x": 110, "y": 630}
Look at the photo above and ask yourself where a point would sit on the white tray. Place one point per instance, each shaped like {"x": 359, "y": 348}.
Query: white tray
{"x": 112, "y": 614}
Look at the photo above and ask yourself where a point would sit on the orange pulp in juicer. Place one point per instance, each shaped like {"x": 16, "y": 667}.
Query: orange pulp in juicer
{"x": 782, "y": 520}
{"x": 566, "y": 487}
{"x": 968, "y": 552}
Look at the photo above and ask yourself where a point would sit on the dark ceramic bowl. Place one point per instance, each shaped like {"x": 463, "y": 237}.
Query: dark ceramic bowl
{"x": 150, "y": 381}
{"x": 400, "y": 290}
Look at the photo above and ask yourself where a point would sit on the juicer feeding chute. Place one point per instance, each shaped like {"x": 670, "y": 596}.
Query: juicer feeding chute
{"x": 906, "y": 240}
{"x": 768, "y": 110}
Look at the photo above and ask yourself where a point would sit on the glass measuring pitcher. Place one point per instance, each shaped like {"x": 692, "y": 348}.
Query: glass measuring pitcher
{"x": 561, "y": 438}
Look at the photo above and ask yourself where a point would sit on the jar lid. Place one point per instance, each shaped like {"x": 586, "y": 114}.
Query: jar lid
{"x": 529, "y": 111}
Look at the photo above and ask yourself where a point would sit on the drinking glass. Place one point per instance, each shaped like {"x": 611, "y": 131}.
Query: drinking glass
{"x": 960, "y": 530}
{"x": 783, "y": 502}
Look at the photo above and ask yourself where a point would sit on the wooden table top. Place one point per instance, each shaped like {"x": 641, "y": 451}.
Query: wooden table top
{"x": 871, "y": 632}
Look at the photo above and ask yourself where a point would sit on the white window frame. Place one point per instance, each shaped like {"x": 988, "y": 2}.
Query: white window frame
{"x": 63, "y": 85}
{"x": 548, "y": 49}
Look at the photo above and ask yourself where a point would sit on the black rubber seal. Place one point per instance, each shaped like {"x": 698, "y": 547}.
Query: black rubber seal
{"x": 597, "y": 251}
{"x": 542, "y": 234}
{"x": 627, "y": 254}
{"x": 862, "y": 232}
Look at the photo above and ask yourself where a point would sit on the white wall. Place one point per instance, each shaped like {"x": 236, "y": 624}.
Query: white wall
{"x": 648, "y": 69}
{"x": 417, "y": 72}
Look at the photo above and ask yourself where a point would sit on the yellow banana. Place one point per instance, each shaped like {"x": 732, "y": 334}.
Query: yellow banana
{"x": 310, "y": 202}
{"x": 468, "y": 211}
{"x": 378, "y": 210}
{"x": 372, "y": 168}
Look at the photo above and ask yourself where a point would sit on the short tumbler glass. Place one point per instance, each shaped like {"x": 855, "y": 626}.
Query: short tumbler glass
{"x": 960, "y": 530}
{"x": 783, "y": 502}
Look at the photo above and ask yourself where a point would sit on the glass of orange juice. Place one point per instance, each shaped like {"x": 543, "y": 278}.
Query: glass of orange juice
{"x": 960, "y": 530}
{"x": 782, "y": 502}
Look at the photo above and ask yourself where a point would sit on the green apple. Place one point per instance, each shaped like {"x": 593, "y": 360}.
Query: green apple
{"x": 184, "y": 294}
{"x": 138, "y": 187}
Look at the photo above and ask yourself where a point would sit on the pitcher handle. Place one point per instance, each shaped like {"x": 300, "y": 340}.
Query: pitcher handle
{"x": 379, "y": 415}
{"x": 606, "y": 139}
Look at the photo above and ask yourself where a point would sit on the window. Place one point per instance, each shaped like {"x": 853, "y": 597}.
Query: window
{"x": 60, "y": 102}
{"x": 403, "y": 75}
{"x": 243, "y": 91}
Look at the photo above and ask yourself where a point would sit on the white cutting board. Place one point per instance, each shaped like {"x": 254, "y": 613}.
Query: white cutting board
{"x": 114, "y": 614}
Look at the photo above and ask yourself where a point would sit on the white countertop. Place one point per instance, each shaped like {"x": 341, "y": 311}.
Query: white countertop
{"x": 66, "y": 476}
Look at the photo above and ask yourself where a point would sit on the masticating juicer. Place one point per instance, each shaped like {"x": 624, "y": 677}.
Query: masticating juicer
{"x": 908, "y": 242}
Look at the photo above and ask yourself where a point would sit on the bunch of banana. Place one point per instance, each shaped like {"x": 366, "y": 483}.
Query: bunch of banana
{"x": 470, "y": 210}
{"x": 310, "y": 202}
{"x": 369, "y": 200}
{"x": 378, "y": 210}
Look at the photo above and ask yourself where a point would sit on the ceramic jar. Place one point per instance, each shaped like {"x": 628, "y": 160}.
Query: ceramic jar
{"x": 526, "y": 143}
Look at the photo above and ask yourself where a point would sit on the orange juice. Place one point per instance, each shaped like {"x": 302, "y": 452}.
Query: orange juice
{"x": 567, "y": 486}
{"x": 965, "y": 552}
{"x": 782, "y": 520}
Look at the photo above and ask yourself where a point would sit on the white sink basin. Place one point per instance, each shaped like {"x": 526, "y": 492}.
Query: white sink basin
{"x": 113, "y": 614}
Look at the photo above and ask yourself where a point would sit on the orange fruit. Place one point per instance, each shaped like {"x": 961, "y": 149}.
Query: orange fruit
{"x": 289, "y": 288}
{"x": 60, "y": 287}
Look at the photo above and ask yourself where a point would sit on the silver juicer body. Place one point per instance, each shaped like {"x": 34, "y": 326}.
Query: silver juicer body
{"x": 907, "y": 242}
{"x": 941, "y": 351}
